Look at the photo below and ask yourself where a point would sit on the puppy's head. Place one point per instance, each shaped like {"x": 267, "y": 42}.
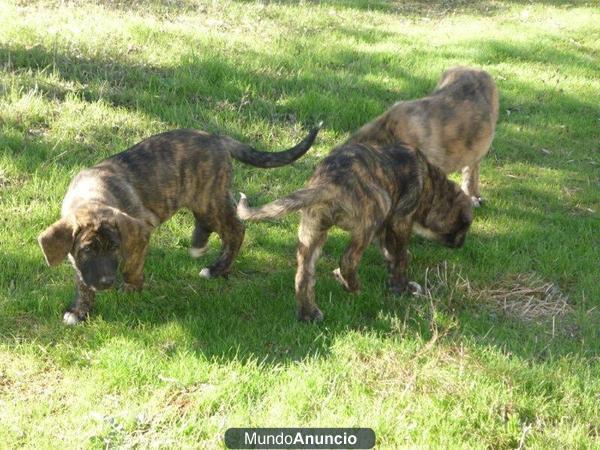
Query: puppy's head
{"x": 95, "y": 254}
{"x": 449, "y": 216}
{"x": 94, "y": 240}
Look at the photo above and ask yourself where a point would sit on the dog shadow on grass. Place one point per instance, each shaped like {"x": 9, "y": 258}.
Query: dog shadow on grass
{"x": 250, "y": 316}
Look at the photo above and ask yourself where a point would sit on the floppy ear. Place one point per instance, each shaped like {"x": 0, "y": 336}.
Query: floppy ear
{"x": 57, "y": 241}
{"x": 134, "y": 233}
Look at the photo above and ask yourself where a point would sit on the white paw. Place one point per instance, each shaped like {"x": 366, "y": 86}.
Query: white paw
{"x": 476, "y": 201}
{"x": 338, "y": 276}
{"x": 70, "y": 319}
{"x": 415, "y": 288}
{"x": 197, "y": 252}
{"x": 205, "y": 273}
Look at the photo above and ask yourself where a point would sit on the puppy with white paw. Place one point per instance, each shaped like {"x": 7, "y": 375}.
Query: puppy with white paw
{"x": 111, "y": 209}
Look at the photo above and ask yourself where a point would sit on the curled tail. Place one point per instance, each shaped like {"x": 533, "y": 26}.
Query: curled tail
{"x": 282, "y": 206}
{"x": 248, "y": 155}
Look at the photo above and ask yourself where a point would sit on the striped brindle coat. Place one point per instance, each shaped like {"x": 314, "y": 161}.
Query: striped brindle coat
{"x": 111, "y": 209}
{"x": 371, "y": 191}
{"x": 453, "y": 127}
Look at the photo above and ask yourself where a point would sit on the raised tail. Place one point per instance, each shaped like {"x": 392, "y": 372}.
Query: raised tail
{"x": 282, "y": 206}
{"x": 248, "y": 155}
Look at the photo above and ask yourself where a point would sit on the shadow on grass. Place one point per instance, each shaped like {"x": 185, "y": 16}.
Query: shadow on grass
{"x": 546, "y": 52}
{"x": 191, "y": 96}
{"x": 200, "y": 83}
{"x": 250, "y": 316}
{"x": 202, "y": 88}
{"x": 425, "y": 8}
{"x": 410, "y": 8}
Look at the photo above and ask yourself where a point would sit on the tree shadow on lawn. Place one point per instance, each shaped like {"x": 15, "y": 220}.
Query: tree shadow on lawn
{"x": 190, "y": 94}
{"x": 199, "y": 93}
{"x": 418, "y": 8}
{"x": 412, "y": 8}
{"x": 426, "y": 8}
{"x": 209, "y": 92}
{"x": 584, "y": 60}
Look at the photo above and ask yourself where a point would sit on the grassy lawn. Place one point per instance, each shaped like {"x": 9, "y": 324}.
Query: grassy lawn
{"x": 179, "y": 363}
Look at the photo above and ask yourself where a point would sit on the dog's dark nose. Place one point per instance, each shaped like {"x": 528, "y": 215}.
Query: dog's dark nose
{"x": 106, "y": 281}
{"x": 454, "y": 241}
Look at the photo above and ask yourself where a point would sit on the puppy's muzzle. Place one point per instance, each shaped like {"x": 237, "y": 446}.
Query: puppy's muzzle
{"x": 105, "y": 282}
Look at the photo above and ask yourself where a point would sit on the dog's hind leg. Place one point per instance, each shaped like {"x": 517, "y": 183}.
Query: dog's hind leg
{"x": 231, "y": 231}
{"x": 311, "y": 237}
{"x": 202, "y": 231}
{"x": 346, "y": 273}
{"x": 470, "y": 183}
{"x": 82, "y": 305}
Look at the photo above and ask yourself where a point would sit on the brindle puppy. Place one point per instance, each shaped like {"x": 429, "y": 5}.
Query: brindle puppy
{"x": 453, "y": 127}
{"x": 371, "y": 192}
{"x": 111, "y": 209}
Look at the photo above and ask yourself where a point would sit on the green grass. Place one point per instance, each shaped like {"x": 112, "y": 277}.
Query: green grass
{"x": 177, "y": 364}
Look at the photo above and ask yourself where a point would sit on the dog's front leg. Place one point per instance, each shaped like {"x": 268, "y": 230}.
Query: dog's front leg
{"x": 82, "y": 305}
{"x": 394, "y": 245}
{"x": 133, "y": 268}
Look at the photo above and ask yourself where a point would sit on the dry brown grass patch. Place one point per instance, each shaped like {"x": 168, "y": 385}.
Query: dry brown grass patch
{"x": 528, "y": 297}
{"x": 525, "y": 296}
